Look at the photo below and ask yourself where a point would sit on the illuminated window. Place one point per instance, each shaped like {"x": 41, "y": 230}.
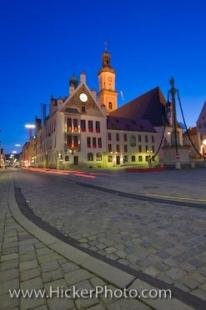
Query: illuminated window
{"x": 109, "y": 159}
{"x": 97, "y": 126}
{"x": 140, "y": 158}
{"x": 69, "y": 141}
{"x": 110, "y": 105}
{"x": 83, "y": 125}
{"x": 140, "y": 149}
{"x": 99, "y": 157}
{"x": 90, "y": 126}
{"x": 133, "y": 158}
{"x": 94, "y": 142}
{"x": 99, "y": 142}
{"x": 90, "y": 157}
{"x": 75, "y": 124}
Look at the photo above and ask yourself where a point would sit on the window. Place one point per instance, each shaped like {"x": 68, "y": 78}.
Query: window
{"x": 83, "y": 125}
{"x": 97, "y": 126}
{"x": 109, "y": 159}
{"x": 125, "y": 148}
{"x": 146, "y": 158}
{"x": 146, "y": 148}
{"x": 69, "y": 141}
{"x": 140, "y": 149}
{"x": 94, "y": 142}
{"x": 117, "y": 148}
{"x": 75, "y": 140}
{"x": 125, "y": 137}
{"x": 153, "y": 148}
{"x": 125, "y": 159}
{"x": 139, "y": 138}
{"x": 110, "y": 105}
{"x": 90, "y": 157}
{"x": 132, "y": 141}
{"x": 152, "y": 139}
{"x": 99, "y": 142}
{"x": 75, "y": 124}
{"x": 109, "y": 136}
{"x": 90, "y": 126}
{"x": 133, "y": 158}
{"x": 83, "y": 109}
{"x": 69, "y": 124}
{"x": 88, "y": 142}
{"x": 140, "y": 158}
{"x": 99, "y": 157}
{"x": 66, "y": 158}
{"x": 117, "y": 136}
{"x": 146, "y": 138}
{"x": 109, "y": 147}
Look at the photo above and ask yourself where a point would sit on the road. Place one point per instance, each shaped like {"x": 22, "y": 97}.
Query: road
{"x": 163, "y": 240}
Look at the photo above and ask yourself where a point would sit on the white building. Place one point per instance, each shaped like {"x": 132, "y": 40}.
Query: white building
{"x": 88, "y": 129}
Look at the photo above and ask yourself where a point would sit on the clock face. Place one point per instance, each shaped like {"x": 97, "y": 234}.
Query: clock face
{"x": 83, "y": 97}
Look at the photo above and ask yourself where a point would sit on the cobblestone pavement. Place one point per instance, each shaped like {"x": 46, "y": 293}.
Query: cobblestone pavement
{"x": 26, "y": 263}
{"x": 164, "y": 241}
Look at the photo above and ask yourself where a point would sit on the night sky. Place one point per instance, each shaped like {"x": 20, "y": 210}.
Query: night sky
{"x": 44, "y": 42}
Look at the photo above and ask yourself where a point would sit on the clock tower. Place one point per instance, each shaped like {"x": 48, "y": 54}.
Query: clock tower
{"x": 107, "y": 95}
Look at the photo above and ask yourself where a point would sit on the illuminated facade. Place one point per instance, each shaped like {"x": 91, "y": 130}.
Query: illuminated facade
{"x": 201, "y": 128}
{"x": 84, "y": 128}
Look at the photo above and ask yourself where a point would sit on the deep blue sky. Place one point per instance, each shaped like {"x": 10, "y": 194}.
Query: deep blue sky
{"x": 43, "y": 42}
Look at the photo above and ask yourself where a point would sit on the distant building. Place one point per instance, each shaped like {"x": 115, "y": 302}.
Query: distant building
{"x": 194, "y": 136}
{"x": 201, "y": 127}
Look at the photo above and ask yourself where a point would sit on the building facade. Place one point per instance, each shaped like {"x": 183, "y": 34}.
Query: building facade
{"x": 87, "y": 128}
{"x": 201, "y": 129}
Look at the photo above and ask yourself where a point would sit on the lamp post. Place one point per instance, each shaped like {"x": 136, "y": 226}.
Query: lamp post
{"x": 30, "y": 128}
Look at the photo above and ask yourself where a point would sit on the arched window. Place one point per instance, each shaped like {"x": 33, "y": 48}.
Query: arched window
{"x": 90, "y": 157}
{"x": 110, "y": 105}
{"x": 99, "y": 157}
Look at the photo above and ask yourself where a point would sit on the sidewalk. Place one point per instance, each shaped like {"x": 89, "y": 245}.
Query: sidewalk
{"x": 28, "y": 263}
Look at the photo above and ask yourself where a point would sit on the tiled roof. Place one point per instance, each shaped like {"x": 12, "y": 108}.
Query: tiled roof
{"x": 150, "y": 106}
{"x": 121, "y": 123}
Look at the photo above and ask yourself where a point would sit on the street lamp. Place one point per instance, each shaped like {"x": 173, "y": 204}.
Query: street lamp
{"x": 30, "y": 127}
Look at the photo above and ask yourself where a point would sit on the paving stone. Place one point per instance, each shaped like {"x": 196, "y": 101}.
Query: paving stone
{"x": 129, "y": 304}
{"x": 69, "y": 267}
{"x": 49, "y": 266}
{"x": 9, "y": 274}
{"x": 29, "y": 274}
{"x": 11, "y": 284}
{"x": 31, "y": 303}
{"x": 35, "y": 283}
{"x": 52, "y": 275}
{"x": 63, "y": 304}
{"x": 8, "y": 257}
{"x": 77, "y": 276}
{"x": 86, "y": 303}
{"x": 28, "y": 265}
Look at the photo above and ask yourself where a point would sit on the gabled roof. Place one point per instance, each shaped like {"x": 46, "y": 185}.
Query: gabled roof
{"x": 121, "y": 123}
{"x": 150, "y": 106}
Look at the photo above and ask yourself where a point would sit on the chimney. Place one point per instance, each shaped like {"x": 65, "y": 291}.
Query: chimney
{"x": 83, "y": 78}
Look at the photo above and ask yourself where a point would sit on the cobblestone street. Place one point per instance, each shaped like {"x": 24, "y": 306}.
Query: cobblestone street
{"x": 161, "y": 240}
